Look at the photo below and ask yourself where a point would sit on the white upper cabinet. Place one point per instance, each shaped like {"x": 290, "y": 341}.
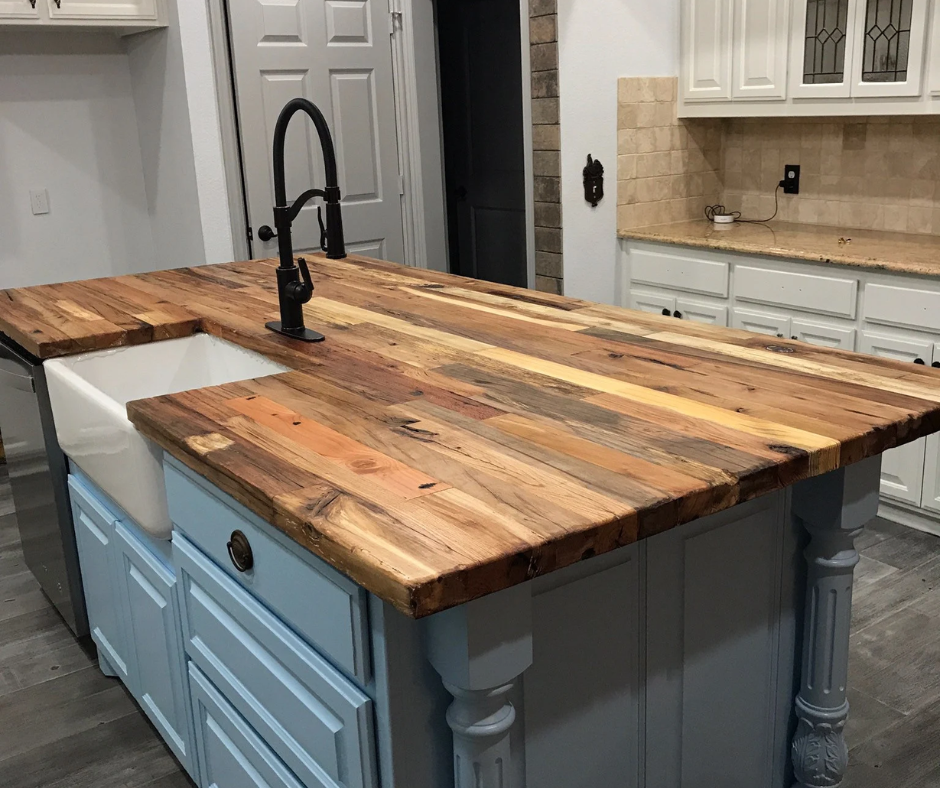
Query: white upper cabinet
{"x": 706, "y": 50}
{"x": 121, "y": 16}
{"x": 888, "y": 58}
{"x": 109, "y": 10}
{"x": 19, "y": 11}
{"x": 933, "y": 71}
{"x": 759, "y": 49}
{"x": 822, "y": 48}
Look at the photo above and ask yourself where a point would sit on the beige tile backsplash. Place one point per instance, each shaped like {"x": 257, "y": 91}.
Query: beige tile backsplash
{"x": 667, "y": 168}
{"x": 874, "y": 173}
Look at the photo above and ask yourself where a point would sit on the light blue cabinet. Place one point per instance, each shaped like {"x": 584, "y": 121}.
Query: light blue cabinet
{"x": 157, "y": 665}
{"x": 133, "y": 610}
{"x": 94, "y": 531}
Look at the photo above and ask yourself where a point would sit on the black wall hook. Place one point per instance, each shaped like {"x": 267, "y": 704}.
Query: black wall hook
{"x": 593, "y": 181}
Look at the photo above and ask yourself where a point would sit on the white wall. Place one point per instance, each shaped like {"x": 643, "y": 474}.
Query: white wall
{"x": 599, "y": 42}
{"x": 67, "y": 124}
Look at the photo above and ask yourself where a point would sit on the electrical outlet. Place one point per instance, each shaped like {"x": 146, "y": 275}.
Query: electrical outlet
{"x": 39, "y": 201}
{"x": 791, "y": 179}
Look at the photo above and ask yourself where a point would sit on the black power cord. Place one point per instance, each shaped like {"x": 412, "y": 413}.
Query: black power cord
{"x": 711, "y": 211}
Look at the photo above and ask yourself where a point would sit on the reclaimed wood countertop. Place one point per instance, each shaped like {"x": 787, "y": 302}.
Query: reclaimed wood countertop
{"x": 874, "y": 250}
{"x": 452, "y": 438}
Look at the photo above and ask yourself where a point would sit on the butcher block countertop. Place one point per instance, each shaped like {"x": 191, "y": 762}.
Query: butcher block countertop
{"x": 902, "y": 253}
{"x": 452, "y": 438}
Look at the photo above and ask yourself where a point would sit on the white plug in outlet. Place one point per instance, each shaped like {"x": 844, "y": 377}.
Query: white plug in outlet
{"x": 39, "y": 201}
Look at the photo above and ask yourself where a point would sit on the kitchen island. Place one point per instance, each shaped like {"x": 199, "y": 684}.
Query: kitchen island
{"x": 590, "y": 522}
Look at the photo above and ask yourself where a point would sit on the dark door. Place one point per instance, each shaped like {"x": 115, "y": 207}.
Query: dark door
{"x": 481, "y": 107}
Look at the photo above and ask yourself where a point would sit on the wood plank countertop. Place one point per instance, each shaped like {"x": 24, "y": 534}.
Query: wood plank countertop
{"x": 874, "y": 250}
{"x": 452, "y": 438}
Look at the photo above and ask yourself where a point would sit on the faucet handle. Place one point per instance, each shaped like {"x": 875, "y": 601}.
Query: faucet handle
{"x": 308, "y": 282}
{"x": 323, "y": 240}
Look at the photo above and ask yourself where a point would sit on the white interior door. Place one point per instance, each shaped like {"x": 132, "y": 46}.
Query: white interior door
{"x": 337, "y": 54}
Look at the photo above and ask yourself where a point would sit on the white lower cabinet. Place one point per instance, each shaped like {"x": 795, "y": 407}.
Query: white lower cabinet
{"x": 654, "y": 303}
{"x": 822, "y": 334}
{"x": 18, "y": 11}
{"x": 699, "y": 312}
{"x": 771, "y": 323}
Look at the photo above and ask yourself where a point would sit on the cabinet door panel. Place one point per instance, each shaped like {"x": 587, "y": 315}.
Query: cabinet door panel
{"x": 823, "y": 335}
{"x": 19, "y": 10}
{"x": 902, "y": 469}
{"x": 761, "y": 32}
{"x": 933, "y": 66}
{"x": 698, "y": 312}
{"x": 94, "y": 534}
{"x": 889, "y": 50}
{"x": 761, "y": 322}
{"x": 706, "y": 50}
{"x": 822, "y": 47}
{"x": 102, "y": 9}
{"x": 156, "y": 642}
{"x": 930, "y": 496}
{"x": 654, "y": 303}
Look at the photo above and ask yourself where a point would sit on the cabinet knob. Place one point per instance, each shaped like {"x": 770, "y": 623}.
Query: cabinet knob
{"x": 239, "y": 550}
{"x": 795, "y": 337}
{"x": 936, "y": 364}
{"x": 666, "y": 312}
{"x": 779, "y": 336}
{"x": 678, "y": 314}
{"x": 919, "y": 361}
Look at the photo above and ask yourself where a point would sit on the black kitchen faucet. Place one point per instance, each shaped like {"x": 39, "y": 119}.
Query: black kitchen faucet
{"x": 294, "y": 286}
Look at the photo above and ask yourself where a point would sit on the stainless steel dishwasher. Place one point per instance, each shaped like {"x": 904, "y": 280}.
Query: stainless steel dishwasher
{"x": 38, "y": 474}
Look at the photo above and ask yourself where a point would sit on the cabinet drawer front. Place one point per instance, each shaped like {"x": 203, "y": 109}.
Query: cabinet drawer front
{"x": 230, "y": 752}
{"x": 823, "y": 335}
{"x": 761, "y": 322}
{"x": 319, "y": 603}
{"x": 316, "y": 720}
{"x": 679, "y": 272}
{"x": 801, "y": 291}
{"x": 902, "y": 306}
{"x": 898, "y": 349}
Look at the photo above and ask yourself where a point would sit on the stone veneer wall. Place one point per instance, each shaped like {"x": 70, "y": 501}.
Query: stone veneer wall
{"x": 546, "y": 144}
{"x": 668, "y": 169}
{"x": 880, "y": 173}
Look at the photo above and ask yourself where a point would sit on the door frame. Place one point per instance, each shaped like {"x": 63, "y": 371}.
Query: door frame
{"x": 407, "y": 124}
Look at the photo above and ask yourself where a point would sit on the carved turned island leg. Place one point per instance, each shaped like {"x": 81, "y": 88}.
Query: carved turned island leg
{"x": 480, "y": 649}
{"x": 833, "y": 508}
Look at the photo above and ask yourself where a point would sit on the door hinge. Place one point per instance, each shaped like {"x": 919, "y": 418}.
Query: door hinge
{"x": 251, "y": 234}
{"x": 401, "y": 184}
{"x": 394, "y": 22}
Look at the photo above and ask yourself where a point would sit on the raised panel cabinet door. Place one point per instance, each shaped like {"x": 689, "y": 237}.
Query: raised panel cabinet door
{"x": 94, "y": 535}
{"x": 337, "y": 54}
{"x": 902, "y": 469}
{"x": 933, "y": 66}
{"x": 822, "y": 44}
{"x": 705, "y": 66}
{"x": 823, "y": 335}
{"x": 930, "y": 495}
{"x": 698, "y": 312}
{"x": 19, "y": 10}
{"x": 761, "y": 39}
{"x": 104, "y": 10}
{"x": 889, "y": 50}
{"x": 720, "y": 648}
{"x": 155, "y": 636}
{"x": 770, "y": 323}
{"x": 654, "y": 303}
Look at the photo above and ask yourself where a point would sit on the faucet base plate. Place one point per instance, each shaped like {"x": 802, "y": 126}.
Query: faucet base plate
{"x": 303, "y": 334}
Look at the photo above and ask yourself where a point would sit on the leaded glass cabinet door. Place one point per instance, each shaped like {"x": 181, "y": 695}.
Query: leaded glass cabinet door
{"x": 823, "y": 47}
{"x": 889, "y": 49}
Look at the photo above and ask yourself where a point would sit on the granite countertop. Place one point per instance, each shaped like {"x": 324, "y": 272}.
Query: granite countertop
{"x": 452, "y": 437}
{"x": 904, "y": 253}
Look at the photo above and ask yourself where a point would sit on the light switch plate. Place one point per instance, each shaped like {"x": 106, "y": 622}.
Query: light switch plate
{"x": 39, "y": 201}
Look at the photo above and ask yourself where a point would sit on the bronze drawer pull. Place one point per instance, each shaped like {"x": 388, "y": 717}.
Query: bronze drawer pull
{"x": 239, "y": 550}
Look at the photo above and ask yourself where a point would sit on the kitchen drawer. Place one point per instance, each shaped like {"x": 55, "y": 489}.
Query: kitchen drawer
{"x": 913, "y": 350}
{"x": 698, "y": 312}
{"x": 822, "y": 294}
{"x": 902, "y": 306}
{"x": 327, "y": 609}
{"x": 316, "y": 720}
{"x": 679, "y": 272}
{"x": 230, "y": 752}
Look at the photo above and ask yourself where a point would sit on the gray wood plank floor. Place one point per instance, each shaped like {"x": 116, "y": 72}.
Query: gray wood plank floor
{"x": 64, "y": 725}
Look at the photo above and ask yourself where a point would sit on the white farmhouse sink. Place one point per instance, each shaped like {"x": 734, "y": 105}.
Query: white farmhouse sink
{"x": 90, "y": 392}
